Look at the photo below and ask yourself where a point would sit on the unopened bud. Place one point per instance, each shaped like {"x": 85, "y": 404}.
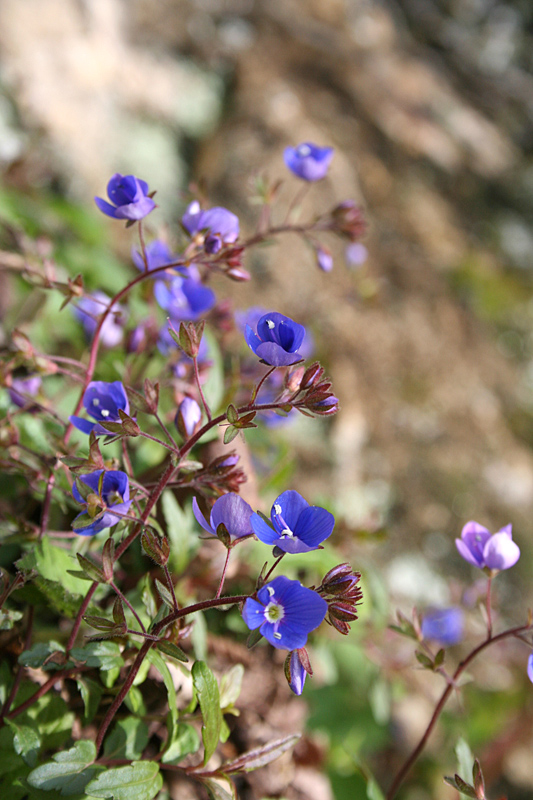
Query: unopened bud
{"x": 188, "y": 417}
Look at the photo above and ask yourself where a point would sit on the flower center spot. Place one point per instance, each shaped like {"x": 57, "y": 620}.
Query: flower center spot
{"x": 104, "y": 412}
{"x": 304, "y": 150}
{"x": 274, "y": 613}
{"x": 270, "y": 324}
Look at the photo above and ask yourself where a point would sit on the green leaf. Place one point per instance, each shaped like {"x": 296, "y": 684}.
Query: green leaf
{"x": 158, "y": 662}
{"x": 91, "y": 692}
{"x": 103, "y": 655}
{"x": 134, "y": 701}
{"x": 199, "y": 636}
{"x": 206, "y": 688}
{"x": 128, "y": 739}
{"x": 230, "y": 433}
{"x": 260, "y": 756}
{"x": 8, "y": 617}
{"x": 140, "y": 781}
{"x": 40, "y": 653}
{"x": 59, "y": 598}
{"x": 180, "y": 530}
{"x": 172, "y": 650}
{"x": 217, "y": 792}
{"x": 230, "y": 686}
{"x": 53, "y": 563}
{"x": 183, "y": 741}
{"x": 50, "y": 717}
{"x": 164, "y": 594}
{"x": 68, "y": 772}
{"x": 26, "y": 742}
{"x": 373, "y": 792}
{"x": 90, "y": 568}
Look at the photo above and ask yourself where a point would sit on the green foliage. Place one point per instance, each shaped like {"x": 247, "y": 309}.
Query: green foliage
{"x": 180, "y": 526}
{"x": 139, "y": 781}
{"x": 206, "y": 688}
{"x": 69, "y": 771}
{"x": 128, "y": 739}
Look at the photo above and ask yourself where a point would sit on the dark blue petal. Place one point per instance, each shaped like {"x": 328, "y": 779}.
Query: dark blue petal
{"x": 292, "y": 545}
{"x": 122, "y": 189}
{"x": 200, "y": 519}
{"x": 292, "y": 504}
{"x": 314, "y": 525}
{"x": 253, "y": 614}
{"x": 252, "y": 340}
{"x": 275, "y": 355}
{"x": 81, "y": 424}
{"x": 105, "y": 207}
{"x": 263, "y": 531}
{"x": 116, "y": 481}
{"x": 134, "y": 211}
{"x": 235, "y": 513}
{"x": 201, "y": 298}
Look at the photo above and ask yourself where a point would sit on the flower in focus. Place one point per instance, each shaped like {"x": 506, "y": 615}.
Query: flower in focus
{"x": 129, "y": 196}
{"x": 277, "y": 340}
{"x": 297, "y": 667}
{"x": 308, "y": 161}
{"x": 340, "y": 588}
{"x": 88, "y": 311}
{"x": 158, "y": 254}
{"x": 184, "y": 298}
{"x": 296, "y": 526}
{"x": 218, "y": 226}
{"x": 102, "y": 401}
{"x": 485, "y": 550}
{"x": 115, "y": 495}
{"x": 188, "y": 416}
{"x": 443, "y": 625}
{"x": 22, "y": 389}
{"x": 231, "y": 511}
{"x": 285, "y": 613}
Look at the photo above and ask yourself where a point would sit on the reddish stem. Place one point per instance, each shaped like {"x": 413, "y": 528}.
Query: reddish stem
{"x": 223, "y": 576}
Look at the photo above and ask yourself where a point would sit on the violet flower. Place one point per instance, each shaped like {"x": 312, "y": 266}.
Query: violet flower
{"x": 308, "y": 161}
{"x": 115, "y": 494}
{"x": 23, "y": 388}
{"x": 296, "y": 526}
{"x": 88, "y": 310}
{"x": 229, "y": 510}
{"x": 324, "y": 259}
{"x": 285, "y": 613}
{"x": 102, "y": 401}
{"x": 295, "y": 671}
{"x": 443, "y": 625}
{"x": 218, "y": 225}
{"x": 184, "y": 298}
{"x": 187, "y": 417}
{"x": 158, "y": 254}
{"x": 277, "y": 340}
{"x": 530, "y": 667}
{"x": 129, "y": 196}
{"x": 485, "y": 550}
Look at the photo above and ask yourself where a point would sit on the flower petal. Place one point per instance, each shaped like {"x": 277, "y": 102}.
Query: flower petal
{"x": 275, "y": 355}
{"x": 314, "y": 525}
{"x": 263, "y": 531}
{"x": 501, "y": 552}
{"x": 200, "y": 519}
{"x": 253, "y": 613}
{"x": 292, "y": 504}
{"x": 235, "y": 513}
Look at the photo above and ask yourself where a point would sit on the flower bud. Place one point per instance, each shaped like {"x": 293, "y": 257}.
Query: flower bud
{"x": 293, "y": 380}
{"x": 324, "y": 259}
{"x": 348, "y": 220}
{"x": 188, "y": 416}
{"x": 297, "y": 667}
{"x": 311, "y": 376}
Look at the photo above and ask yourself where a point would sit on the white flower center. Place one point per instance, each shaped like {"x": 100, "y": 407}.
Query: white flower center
{"x": 304, "y": 150}
{"x": 104, "y": 412}
{"x": 287, "y": 533}
{"x": 274, "y": 612}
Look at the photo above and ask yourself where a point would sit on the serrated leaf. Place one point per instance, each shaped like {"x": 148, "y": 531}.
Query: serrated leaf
{"x": 230, "y": 686}
{"x": 216, "y": 791}
{"x": 260, "y": 756}
{"x": 232, "y": 413}
{"x": 51, "y": 718}
{"x": 206, "y": 688}
{"x": 139, "y": 781}
{"x": 39, "y": 653}
{"x": 26, "y": 742}
{"x": 183, "y": 741}
{"x": 103, "y": 655}
{"x": 68, "y": 772}
{"x": 119, "y": 617}
{"x": 172, "y": 650}
{"x": 90, "y": 568}
{"x": 128, "y": 739}
{"x": 52, "y": 563}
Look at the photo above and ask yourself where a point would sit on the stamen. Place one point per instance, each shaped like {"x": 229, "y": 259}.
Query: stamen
{"x": 96, "y": 401}
{"x": 277, "y": 509}
{"x": 287, "y": 533}
{"x": 104, "y": 412}
{"x": 270, "y": 324}
{"x": 304, "y": 150}
{"x": 271, "y": 591}
{"x": 277, "y": 635}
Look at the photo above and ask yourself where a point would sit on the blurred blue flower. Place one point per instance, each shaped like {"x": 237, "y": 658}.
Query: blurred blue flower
{"x": 277, "y": 340}
{"x": 231, "y": 511}
{"x": 296, "y": 527}
{"x": 285, "y": 613}
{"x": 158, "y": 254}
{"x": 482, "y": 549}
{"x": 115, "y": 494}
{"x": 102, "y": 401}
{"x": 129, "y": 196}
{"x": 23, "y": 388}
{"x": 308, "y": 161}
{"x": 355, "y": 254}
{"x": 324, "y": 259}
{"x": 219, "y": 225}
{"x": 88, "y": 310}
{"x": 184, "y": 298}
{"x": 443, "y": 625}
{"x": 530, "y": 667}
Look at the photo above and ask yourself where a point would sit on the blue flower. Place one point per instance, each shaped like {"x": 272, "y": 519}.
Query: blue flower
{"x": 443, "y": 625}
{"x": 188, "y": 416}
{"x": 218, "y": 225}
{"x": 158, "y": 254}
{"x": 530, "y": 667}
{"x": 308, "y": 161}
{"x": 115, "y": 494}
{"x": 88, "y": 310}
{"x": 295, "y": 670}
{"x": 297, "y": 527}
{"x": 102, "y": 402}
{"x": 129, "y": 196}
{"x": 231, "y": 511}
{"x": 22, "y": 389}
{"x": 324, "y": 259}
{"x": 285, "y": 613}
{"x": 482, "y": 549}
{"x": 184, "y": 298}
{"x": 277, "y": 340}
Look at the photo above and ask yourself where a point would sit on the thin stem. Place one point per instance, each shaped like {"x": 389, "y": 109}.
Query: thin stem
{"x": 128, "y": 604}
{"x": 143, "y": 246}
{"x": 273, "y": 567}
{"x": 170, "y": 586}
{"x": 79, "y": 616}
{"x": 202, "y": 397}
{"x": 46, "y": 505}
{"x": 223, "y": 576}
{"x": 171, "y": 448}
{"x": 489, "y": 607}
{"x": 255, "y": 391}
{"x": 399, "y": 778}
{"x": 18, "y": 676}
{"x": 166, "y": 431}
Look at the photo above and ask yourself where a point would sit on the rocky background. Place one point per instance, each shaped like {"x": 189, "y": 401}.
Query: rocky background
{"x": 429, "y": 105}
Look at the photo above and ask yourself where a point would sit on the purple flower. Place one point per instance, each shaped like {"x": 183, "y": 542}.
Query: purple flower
{"x": 188, "y": 416}
{"x": 115, "y": 494}
{"x": 482, "y": 549}
{"x": 129, "y": 196}
{"x": 219, "y": 225}
{"x": 184, "y": 298}
{"x": 277, "y": 340}
{"x": 23, "y": 388}
{"x": 296, "y": 526}
{"x": 102, "y": 402}
{"x": 89, "y": 309}
{"x": 530, "y": 667}
{"x": 355, "y": 254}
{"x": 285, "y": 612}
{"x": 308, "y": 161}
{"x": 443, "y": 625}
{"x": 229, "y": 510}
{"x": 324, "y": 259}
{"x": 158, "y": 254}
{"x": 295, "y": 670}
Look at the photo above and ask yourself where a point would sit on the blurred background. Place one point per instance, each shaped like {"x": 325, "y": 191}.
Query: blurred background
{"x": 429, "y": 106}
